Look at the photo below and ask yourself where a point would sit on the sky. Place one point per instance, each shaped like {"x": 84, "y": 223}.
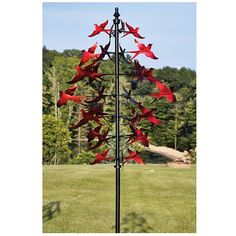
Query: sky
{"x": 170, "y": 27}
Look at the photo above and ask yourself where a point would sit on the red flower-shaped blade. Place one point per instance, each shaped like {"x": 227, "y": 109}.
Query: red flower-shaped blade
{"x": 146, "y": 50}
{"x": 133, "y": 31}
{"x": 101, "y": 139}
{"x": 100, "y": 28}
{"x": 86, "y": 118}
{"x": 142, "y": 73}
{"x": 93, "y": 48}
{"x": 138, "y": 136}
{"x": 164, "y": 91}
{"x": 64, "y": 98}
{"x": 134, "y": 156}
{"x": 104, "y": 52}
{"x": 93, "y": 133}
{"x": 91, "y": 71}
{"x": 81, "y": 74}
{"x": 99, "y": 97}
{"x": 87, "y": 55}
{"x": 139, "y": 70}
{"x": 101, "y": 157}
{"x": 97, "y": 109}
{"x": 71, "y": 90}
{"x": 134, "y": 118}
{"x": 149, "y": 115}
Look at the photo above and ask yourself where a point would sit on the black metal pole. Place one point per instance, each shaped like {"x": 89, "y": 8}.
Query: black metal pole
{"x": 117, "y": 108}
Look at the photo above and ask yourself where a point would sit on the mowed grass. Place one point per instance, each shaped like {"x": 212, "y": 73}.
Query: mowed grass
{"x": 154, "y": 198}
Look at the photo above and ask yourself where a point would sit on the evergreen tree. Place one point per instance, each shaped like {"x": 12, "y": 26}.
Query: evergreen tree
{"x": 56, "y": 138}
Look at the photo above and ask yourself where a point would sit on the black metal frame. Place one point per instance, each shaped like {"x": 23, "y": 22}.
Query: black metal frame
{"x": 117, "y": 115}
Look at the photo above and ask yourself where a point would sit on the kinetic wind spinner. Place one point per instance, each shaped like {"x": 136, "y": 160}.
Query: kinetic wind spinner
{"x": 93, "y": 111}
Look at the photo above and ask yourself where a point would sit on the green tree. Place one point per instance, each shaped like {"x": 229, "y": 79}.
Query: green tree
{"x": 56, "y": 138}
{"x": 48, "y": 57}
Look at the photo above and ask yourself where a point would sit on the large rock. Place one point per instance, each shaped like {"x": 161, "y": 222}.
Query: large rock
{"x": 170, "y": 153}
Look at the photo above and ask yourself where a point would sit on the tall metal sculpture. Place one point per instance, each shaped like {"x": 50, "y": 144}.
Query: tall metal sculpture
{"x": 88, "y": 68}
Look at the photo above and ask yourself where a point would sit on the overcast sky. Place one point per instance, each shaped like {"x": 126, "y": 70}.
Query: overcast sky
{"x": 170, "y": 27}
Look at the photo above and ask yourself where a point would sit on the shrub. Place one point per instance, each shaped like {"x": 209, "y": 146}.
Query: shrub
{"x": 83, "y": 157}
{"x": 193, "y": 156}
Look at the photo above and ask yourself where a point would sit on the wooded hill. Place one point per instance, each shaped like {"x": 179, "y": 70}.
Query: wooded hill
{"x": 62, "y": 145}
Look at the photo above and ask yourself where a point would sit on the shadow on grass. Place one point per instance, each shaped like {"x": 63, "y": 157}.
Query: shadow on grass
{"x": 134, "y": 223}
{"x": 51, "y": 210}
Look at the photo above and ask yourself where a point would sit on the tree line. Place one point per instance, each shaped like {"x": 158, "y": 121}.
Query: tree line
{"x": 62, "y": 145}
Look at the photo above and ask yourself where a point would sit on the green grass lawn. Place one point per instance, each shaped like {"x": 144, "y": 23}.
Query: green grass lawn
{"x": 154, "y": 198}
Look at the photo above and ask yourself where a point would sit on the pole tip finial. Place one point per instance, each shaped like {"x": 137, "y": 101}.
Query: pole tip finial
{"x": 116, "y": 14}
